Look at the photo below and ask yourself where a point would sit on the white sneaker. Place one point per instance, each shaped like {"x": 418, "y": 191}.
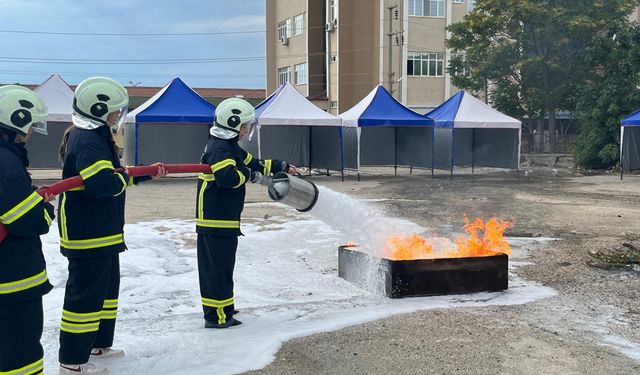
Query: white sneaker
{"x": 85, "y": 368}
{"x": 106, "y": 353}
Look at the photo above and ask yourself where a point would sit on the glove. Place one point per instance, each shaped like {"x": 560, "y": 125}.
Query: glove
{"x": 259, "y": 178}
{"x": 256, "y": 177}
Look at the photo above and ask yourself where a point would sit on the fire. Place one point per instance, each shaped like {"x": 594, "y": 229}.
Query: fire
{"x": 407, "y": 247}
{"x": 483, "y": 239}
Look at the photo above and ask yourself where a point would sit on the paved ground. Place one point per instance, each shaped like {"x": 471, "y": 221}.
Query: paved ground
{"x": 583, "y": 330}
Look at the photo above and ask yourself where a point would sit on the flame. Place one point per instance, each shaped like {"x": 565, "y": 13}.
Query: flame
{"x": 483, "y": 239}
{"x": 407, "y": 247}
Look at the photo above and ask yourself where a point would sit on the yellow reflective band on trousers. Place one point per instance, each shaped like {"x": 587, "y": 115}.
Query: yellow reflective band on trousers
{"x": 248, "y": 159}
{"x": 24, "y": 284}
{"x": 222, "y": 164}
{"x": 79, "y": 327}
{"x": 110, "y": 304}
{"x": 243, "y": 179}
{"x": 95, "y": 168}
{"x": 21, "y": 208}
{"x": 219, "y": 305}
{"x": 32, "y": 368}
{"x": 223, "y": 224}
{"x": 92, "y": 243}
{"x": 109, "y": 314}
{"x": 75, "y": 317}
{"x": 267, "y": 167}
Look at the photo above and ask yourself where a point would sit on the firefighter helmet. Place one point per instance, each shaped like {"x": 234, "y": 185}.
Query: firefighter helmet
{"x": 98, "y": 97}
{"x": 21, "y": 109}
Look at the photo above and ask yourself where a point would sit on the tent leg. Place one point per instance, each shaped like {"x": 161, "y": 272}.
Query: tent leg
{"x": 342, "y": 175}
{"x": 358, "y": 176}
{"x": 411, "y": 170}
{"x": 395, "y": 170}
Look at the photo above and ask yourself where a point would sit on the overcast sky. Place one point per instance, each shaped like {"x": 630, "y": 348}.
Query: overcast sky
{"x": 29, "y": 56}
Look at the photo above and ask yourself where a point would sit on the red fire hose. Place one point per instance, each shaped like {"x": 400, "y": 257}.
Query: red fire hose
{"x": 151, "y": 170}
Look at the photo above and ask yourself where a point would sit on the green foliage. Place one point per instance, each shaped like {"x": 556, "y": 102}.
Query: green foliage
{"x": 542, "y": 56}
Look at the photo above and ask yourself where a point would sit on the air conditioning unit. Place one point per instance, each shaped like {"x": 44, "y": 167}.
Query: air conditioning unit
{"x": 284, "y": 41}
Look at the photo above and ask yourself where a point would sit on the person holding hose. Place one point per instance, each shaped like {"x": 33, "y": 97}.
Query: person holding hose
{"x": 219, "y": 206}
{"x": 91, "y": 225}
{"x": 26, "y": 215}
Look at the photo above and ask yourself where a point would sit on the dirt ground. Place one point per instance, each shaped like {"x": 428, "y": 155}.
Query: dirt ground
{"x": 572, "y": 333}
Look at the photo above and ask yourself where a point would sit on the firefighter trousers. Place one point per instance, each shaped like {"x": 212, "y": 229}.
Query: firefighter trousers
{"x": 90, "y": 306}
{"x": 216, "y": 261}
{"x": 20, "y": 331}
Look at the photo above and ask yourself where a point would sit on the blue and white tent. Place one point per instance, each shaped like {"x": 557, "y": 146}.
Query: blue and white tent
{"x": 172, "y": 127}
{"x": 292, "y": 128}
{"x": 470, "y": 132}
{"x": 379, "y": 130}
{"x": 630, "y": 142}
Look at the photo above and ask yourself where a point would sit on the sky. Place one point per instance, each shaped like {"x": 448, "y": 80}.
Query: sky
{"x": 226, "y": 48}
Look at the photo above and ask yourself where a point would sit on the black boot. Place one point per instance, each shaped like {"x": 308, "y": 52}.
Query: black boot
{"x": 229, "y": 323}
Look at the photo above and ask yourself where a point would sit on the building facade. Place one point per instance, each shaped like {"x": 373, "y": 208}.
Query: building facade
{"x": 336, "y": 51}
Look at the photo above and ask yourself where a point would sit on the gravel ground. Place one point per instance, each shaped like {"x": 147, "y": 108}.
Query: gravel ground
{"x": 571, "y": 333}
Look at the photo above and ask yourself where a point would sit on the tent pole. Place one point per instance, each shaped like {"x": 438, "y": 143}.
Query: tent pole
{"x": 411, "y": 169}
{"x": 621, "y": 152}
{"x": 433, "y": 152}
{"x": 473, "y": 150}
{"x": 453, "y": 149}
{"x": 395, "y": 147}
{"x": 135, "y": 153}
{"x": 310, "y": 148}
{"x": 341, "y": 152}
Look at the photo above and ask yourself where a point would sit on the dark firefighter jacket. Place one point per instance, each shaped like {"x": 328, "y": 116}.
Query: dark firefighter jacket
{"x": 91, "y": 217}
{"x": 221, "y": 193}
{"x": 26, "y": 216}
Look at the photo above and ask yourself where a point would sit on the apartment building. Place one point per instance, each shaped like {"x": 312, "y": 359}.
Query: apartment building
{"x": 337, "y": 51}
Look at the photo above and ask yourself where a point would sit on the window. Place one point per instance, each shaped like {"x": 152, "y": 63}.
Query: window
{"x": 457, "y": 1}
{"x": 429, "y": 8}
{"x": 301, "y": 74}
{"x": 472, "y": 5}
{"x": 284, "y": 75}
{"x": 333, "y": 58}
{"x": 298, "y": 24}
{"x": 284, "y": 29}
{"x": 425, "y": 64}
{"x": 334, "y": 10}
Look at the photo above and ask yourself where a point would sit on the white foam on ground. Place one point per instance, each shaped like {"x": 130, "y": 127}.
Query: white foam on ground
{"x": 286, "y": 286}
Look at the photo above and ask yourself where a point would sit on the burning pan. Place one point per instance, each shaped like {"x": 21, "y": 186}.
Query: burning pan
{"x": 426, "y": 277}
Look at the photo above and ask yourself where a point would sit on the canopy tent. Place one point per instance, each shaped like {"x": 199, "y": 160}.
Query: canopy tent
{"x": 58, "y": 96}
{"x": 469, "y": 131}
{"x": 630, "y": 142}
{"x": 291, "y": 128}
{"x": 172, "y": 127}
{"x": 369, "y": 126}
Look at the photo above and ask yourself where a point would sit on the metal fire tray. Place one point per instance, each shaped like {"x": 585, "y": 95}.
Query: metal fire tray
{"x": 427, "y": 277}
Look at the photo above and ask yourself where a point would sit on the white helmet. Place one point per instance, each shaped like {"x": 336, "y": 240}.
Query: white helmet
{"x": 98, "y": 97}
{"x": 232, "y": 115}
{"x": 21, "y": 109}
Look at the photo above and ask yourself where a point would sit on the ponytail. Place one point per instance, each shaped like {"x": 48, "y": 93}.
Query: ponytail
{"x": 63, "y": 146}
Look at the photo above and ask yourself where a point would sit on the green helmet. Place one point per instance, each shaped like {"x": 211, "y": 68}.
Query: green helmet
{"x": 96, "y": 97}
{"x": 233, "y": 112}
{"x": 20, "y": 109}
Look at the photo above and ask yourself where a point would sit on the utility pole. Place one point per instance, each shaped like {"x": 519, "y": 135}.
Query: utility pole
{"x": 390, "y": 34}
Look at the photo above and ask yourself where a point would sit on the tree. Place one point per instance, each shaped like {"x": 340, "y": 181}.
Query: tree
{"x": 533, "y": 52}
{"x": 609, "y": 93}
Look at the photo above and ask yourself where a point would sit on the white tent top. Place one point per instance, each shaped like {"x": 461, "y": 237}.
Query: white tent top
{"x": 131, "y": 116}
{"x": 287, "y": 106}
{"x": 58, "y": 97}
{"x": 463, "y": 110}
